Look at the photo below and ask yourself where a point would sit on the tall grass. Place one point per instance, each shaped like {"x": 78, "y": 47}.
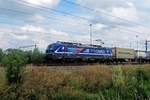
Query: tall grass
{"x": 2, "y": 78}
{"x": 98, "y": 82}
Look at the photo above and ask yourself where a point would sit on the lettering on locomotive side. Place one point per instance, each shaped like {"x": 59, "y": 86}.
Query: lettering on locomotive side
{"x": 98, "y": 51}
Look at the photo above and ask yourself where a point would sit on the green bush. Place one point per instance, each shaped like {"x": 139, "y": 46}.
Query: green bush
{"x": 13, "y": 62}
{"x": 128, "y": 84}
{"x": 37, "y": 57}
{"x": 32, "y": 57}
{"x": 28, "y": 55}
{"x": 142, "y": 83}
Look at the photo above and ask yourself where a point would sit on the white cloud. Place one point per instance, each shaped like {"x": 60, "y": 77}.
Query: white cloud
{"x": 58, "y": 35}
{"x": 124, "y": 9}
{"x": 23, "y": 35}
{"x": 37, "y": 19}
{"x": 42, "y": 36}
{"x": 4, "y": 44}
{"x": 99, "y": 26}
{"x": 30, "y": 34}
{"x": 31, "y": 28}
{"x": 130, "y": 13}
{"x": 35, "y": 33}
{"x": 3, "y": 30}
{"x": 19, "y": 37}
{"x": 105, "y": 4}
{"x": 51, "y": 3}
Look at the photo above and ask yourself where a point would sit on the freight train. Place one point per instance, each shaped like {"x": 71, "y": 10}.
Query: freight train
{"x": 67, "y": 51}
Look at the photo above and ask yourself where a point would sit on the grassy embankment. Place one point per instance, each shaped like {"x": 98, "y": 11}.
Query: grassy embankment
{"x": 88, "y": 83}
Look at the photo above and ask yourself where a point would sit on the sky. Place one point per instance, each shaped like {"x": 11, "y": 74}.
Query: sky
{"x": 121, "y": 23}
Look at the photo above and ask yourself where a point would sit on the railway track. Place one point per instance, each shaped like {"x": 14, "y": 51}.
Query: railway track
{"x": 83, "y": 64}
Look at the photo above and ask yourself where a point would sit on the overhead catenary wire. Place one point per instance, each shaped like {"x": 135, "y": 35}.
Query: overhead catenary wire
{"x": 105, "y": 13}
{"x": 48, "y": 17}
{"x": 113, "y": 43}
{"x": 59, "y": 20}
{"x": 48, "y": 8}
{"x": 66, "y": 13}
{"x": 81, "y": 17}
{"x": 28, "y": 31}
{"x": 118, "y": 27}
{"x": 28, "y": 13}
{"x": 48, "y": 33}
{"x": 36, "y": 31}
{"x": 16, "y": 32}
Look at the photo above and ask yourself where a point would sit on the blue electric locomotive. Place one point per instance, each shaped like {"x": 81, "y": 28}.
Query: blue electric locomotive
{"x": 67, "y": 50}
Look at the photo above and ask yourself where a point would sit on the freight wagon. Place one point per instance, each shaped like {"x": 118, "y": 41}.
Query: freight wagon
{"x": 123, "y": 54}
{"x": 142, "y": 56}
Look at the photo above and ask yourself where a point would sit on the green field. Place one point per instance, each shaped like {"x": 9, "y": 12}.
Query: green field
{"x": 98, "y": 82}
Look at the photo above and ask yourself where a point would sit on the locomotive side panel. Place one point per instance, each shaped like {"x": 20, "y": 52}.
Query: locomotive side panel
{"x": 84, "y": 52}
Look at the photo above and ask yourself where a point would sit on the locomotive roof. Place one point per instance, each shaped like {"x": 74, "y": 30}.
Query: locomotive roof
{"x": 78, "y": 44}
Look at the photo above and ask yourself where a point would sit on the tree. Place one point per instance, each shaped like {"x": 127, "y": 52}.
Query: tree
{"x": 13, "y": 62}
{"x": 1, "y": 55}
{"x": 37, "y": 57}
{"x": 28, "y": 55}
